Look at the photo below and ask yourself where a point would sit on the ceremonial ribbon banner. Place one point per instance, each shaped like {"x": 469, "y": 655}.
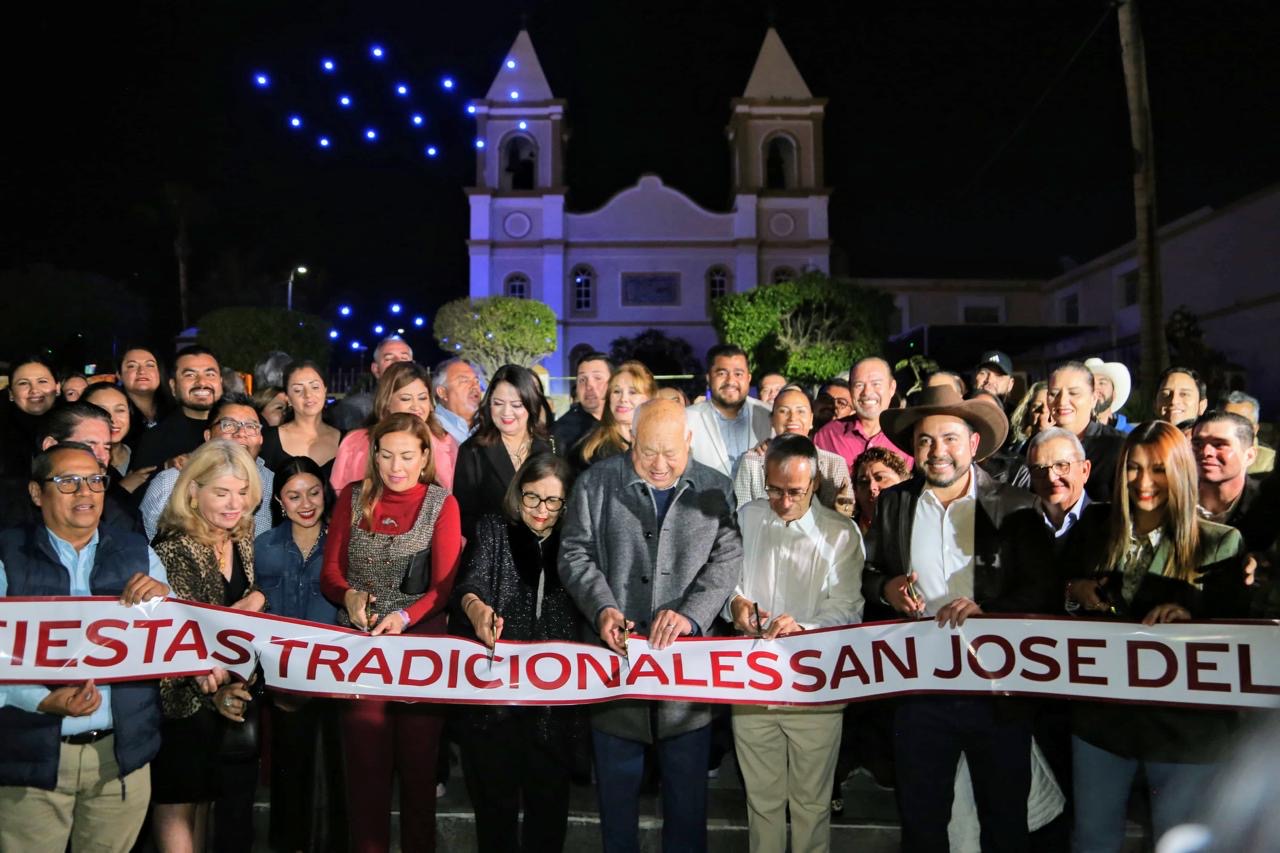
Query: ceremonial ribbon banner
{"x": 1202, "y": 664}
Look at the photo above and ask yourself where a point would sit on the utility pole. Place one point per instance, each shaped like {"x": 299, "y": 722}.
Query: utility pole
{"x": 1154, "y": 351}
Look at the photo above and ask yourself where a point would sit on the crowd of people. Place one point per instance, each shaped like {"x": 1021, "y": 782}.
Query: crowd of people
{"x": 441, "y": 501}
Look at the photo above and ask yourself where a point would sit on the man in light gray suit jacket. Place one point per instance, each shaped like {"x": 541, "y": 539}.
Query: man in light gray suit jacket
{"x": 731, "y": 423}
{"x": 650, "y": 542}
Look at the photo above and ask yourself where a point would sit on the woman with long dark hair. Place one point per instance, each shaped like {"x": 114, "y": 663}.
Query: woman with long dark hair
{"x": 306, "y": 777}
{"x": 390, "y": 559}
{"x": 509, "y": 589}
{"x": 511, "y": 427}
{"x": 1151, "y": 559}
{"x": 303, "y": 431}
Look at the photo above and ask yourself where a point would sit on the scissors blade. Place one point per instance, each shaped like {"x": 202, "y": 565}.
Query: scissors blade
{"x": 493, "y": 630}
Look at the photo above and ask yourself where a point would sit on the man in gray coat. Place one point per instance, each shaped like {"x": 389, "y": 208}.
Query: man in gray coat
{"x": 650, "y": 542}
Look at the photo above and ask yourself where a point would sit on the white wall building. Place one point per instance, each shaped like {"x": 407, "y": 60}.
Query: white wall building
{"x": 650, "y": 257}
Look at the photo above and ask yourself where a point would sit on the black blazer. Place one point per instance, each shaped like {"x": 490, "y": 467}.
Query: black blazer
{"x": 481, "y": 477}
{"x": 1102, "y": 446}
{"x": 1014, "y": 570}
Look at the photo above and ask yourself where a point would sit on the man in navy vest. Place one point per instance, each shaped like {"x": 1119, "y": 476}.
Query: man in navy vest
{"x": 74, "y": 759}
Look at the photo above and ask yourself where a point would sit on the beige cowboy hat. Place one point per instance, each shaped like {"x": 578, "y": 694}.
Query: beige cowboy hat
{"x": 984, "y": 415}
{"x": 1121, "y": 382}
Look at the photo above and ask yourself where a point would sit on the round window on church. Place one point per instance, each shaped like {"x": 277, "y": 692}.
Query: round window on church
{"x": 517, "y": 225}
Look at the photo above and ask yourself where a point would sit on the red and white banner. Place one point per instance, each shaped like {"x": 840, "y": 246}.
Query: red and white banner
{"x": 1209, "y": 664}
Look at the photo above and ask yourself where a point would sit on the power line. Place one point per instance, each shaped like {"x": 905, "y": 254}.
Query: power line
{"x": 1026, "y": 119}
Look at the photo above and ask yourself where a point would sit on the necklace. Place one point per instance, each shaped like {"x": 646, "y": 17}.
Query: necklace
{"x": 518, "y": 455}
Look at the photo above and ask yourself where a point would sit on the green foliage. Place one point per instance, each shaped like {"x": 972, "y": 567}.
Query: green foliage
{"x": 920, "y": 366}
{"x": 810, "y": 329}
{"x": 664, "y": 355}
{"x": 497, "y": 330}
{"x": 243, "y": 336}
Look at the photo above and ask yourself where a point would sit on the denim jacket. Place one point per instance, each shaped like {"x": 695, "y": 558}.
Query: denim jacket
{"x": 291, "y": 584}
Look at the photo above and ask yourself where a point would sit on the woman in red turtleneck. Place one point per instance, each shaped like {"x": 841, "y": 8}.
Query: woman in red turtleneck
{"x": 379, "y": 525}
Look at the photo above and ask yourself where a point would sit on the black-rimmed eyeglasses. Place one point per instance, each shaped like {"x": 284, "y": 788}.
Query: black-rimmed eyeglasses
{"x": 69, "y": 484}
{"x": 532, "y": 501}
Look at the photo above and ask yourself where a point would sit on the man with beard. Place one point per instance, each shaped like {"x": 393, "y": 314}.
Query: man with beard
{"x": 1111, "y": 385}
{"x": 233, "y": 419}
{"x": 872, "y": 385}
{"x": 590, "y": 386}
{"x": 733, "y": 423}
{"x": 946, "y": 546}
{"x": 196, "y": 385}
{"x": 994, "y": 374}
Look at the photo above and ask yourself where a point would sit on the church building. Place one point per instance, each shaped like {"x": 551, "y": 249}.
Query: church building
{"x": 651, "y": 256}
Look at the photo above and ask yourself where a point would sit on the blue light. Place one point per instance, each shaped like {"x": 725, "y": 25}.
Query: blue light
{"x": 328, "y": 66}
{"x": 447, "y": 82}
{"x": 431, "y": 151}
{"x": 511, "y": 63}
{"x": 344, "y": 100}
{"x": 524, "y": 125}
{"x": 471, "y": 109}
{"x": 376, "y": 52}
{"x": 355, "y": 345}
{"x": 514, "y": 95}
{"x": 333, "y": 334}
{"x": 402, "y": 90}
{"x": 395, "y": 307}
{"x": 418, "y": 321}
{"x": 262, "y": 81}
{"x": 418, "y": 119}
{"x": 345, "y": 310}
{"x": 324, "y": 142}
{"x": 295, "y": 121}
{"x": 377, "y": 330}
{"x": 479, "y": 143}
{"x": 370, "y": 134}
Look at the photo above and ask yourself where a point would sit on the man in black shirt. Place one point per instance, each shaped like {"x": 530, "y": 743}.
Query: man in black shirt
{"x": 590, "y": 389}
{"x": 196, "y": 386}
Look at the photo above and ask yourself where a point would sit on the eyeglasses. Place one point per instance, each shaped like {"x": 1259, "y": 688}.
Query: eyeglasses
{"x": 1062, "y": 468}
{"x": 532, "y": 501}
{"x": 841, "y": 403}
{"x": 69, "y": 484}
{"x": 231, "y": 426}
{"x": 775, "y": 493}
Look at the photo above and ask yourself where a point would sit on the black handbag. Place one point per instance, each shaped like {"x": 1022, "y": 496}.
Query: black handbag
{"x": 418, "y": 578}
{"x": 243, "y": 741}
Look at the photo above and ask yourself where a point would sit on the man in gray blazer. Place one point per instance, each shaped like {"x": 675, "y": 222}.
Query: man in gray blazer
{"x": 650, "y": 542}
{"x": 730, "y": 423}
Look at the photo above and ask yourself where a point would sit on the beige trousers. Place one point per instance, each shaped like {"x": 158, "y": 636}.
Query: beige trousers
{"x": 788, "y": 757}
{"x": 91, "y": 807}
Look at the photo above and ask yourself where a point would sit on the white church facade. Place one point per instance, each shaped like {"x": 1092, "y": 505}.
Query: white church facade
{"x": 650, "y": 257}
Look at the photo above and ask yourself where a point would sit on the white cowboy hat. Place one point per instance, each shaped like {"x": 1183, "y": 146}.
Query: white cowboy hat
{"x": 1119, "y": 376}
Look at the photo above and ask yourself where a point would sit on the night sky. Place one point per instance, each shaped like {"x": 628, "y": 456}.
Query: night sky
{"x": 107, "y": 104}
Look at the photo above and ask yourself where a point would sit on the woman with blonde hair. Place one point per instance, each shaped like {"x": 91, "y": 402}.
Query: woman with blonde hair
{"x": 389, "y": 560}
{"x": 205, "y": 541}
{"x": 1151, "y": 558}
{"x": 405, "y": 386}
{"x": 630, "y": 385}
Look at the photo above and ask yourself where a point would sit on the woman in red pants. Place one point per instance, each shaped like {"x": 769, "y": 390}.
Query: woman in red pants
{"x": 380, "y": 525}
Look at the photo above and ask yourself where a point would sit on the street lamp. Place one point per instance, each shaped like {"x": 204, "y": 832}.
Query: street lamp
{"x": 288, "y": 301}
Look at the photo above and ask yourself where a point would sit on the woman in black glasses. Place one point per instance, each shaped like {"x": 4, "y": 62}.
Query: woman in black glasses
{"x": 509, "y": 589}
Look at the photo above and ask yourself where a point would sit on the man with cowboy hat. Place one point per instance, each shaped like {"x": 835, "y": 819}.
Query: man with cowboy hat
{"x": 948, "y": 544}
{"x": 1111, "y": 385}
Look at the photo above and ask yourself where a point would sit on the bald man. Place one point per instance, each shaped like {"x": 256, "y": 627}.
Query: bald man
{"x": 651, "y": 543}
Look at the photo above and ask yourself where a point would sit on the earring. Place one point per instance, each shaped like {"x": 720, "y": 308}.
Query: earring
{"x": 194, "y": 504}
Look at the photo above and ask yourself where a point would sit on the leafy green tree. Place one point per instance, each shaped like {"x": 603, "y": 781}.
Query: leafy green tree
{"x": 664, "y": 355}
{"x": 809, "y": 329}
{"x": 497, "y": 330}
{"x": 243, "y": 336}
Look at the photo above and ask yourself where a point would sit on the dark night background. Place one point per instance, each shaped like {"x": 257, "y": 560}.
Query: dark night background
{"x": 108, "y": 104}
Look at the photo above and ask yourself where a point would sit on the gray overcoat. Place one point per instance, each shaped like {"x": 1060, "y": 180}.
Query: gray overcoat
{"x": 613, "y": 555}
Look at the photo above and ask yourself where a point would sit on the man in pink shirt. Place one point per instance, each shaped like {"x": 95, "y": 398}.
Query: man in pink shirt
{"x": 872, "y": 385}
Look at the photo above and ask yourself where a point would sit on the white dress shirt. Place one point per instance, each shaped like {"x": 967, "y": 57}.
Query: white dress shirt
{"x": 942, "y": 552}
{"x": 810, "y": 568}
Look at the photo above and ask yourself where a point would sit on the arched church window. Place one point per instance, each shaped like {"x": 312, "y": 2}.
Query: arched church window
{"x": 583, "y": 279}
{"x": 781, "y": 274}
{"x": 519, "y": 163}
{"x": 516, "y": 285}
{"x": 717, "y": 282}
{"x": 780, "y": 163}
